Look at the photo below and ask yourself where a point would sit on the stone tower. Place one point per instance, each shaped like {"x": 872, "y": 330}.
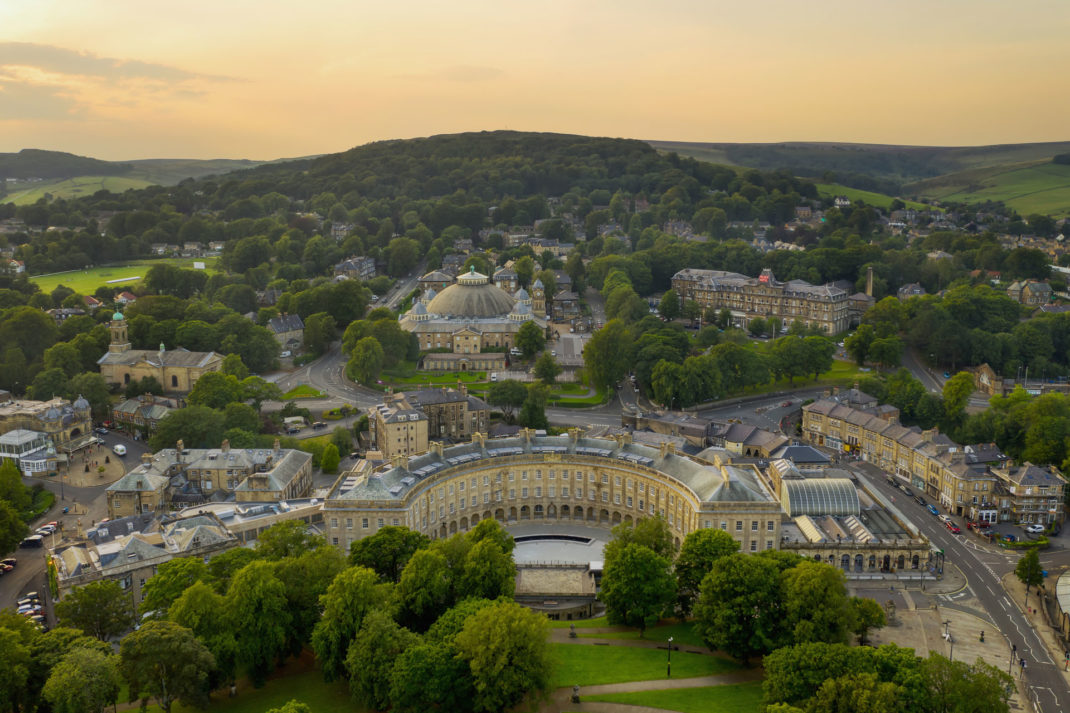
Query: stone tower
{"x": 538, "y": 298}
{"x": 120, "y": 341}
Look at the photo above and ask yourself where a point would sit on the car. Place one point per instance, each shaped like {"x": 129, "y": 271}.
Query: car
{"x": 553, "y": 353}
{"x": 920, "y": 500}
{"x": 286, "y": 354}
{"x": 319, "y": 424}
{"x": 1035, "y": 529}
{"x": 33, "y": 541}
{"x": 293, "y": 429}
{"x": 101, "y": 430}
{"x": 494, "y": 376}
{"x": 786, "y": 403}
{"x": 26, "y": 601}
{"x": 32, "y": 595}
{"x": 905, "y": 489}
{"x": 29, "y": 610}
{"x": 932, "y": 509}
{"x": 947, "y": 374}
{"x": 4, "y": 569}
{"x": 952, "y": 527}
{"x": 119, "y": 449}
{"x": 354, "y": 455}
{"x": 10, "y": 562}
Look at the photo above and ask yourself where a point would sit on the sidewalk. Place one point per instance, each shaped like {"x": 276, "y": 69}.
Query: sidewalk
{"x": 560, "y": 700}
{"x": 1016, "y": 592}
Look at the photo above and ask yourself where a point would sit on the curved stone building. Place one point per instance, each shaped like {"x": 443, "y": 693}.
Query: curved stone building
{"x": 460, "y": 323}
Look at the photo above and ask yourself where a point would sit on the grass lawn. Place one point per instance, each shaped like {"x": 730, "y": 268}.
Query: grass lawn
{"x": 841, "y": 373}
{"x": 85, "y": 282}
{"x": 303, "y": 391}
{"x": 580, "y": 623}
{"x": 683, "y": 634}
{"x": 730, "y": 698}
{"x": 306, "y": 686}
{"x": 579, "y": 401}
{"x": 593, "y": 665}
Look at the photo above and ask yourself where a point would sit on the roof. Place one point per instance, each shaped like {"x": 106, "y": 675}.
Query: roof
{"x": 472, "y": 295}
{"x": 285, "y": 323}
{"x": 175, "y": 357}
{"x": 802, "y": 455}
{"x": 436, "y": 276}
{"x": 819, "y": 496}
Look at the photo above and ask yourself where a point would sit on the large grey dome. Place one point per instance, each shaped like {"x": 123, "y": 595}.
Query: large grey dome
{"x": 472, "y": 296}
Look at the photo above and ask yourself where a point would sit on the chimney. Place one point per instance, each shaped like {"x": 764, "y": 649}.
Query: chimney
{"x": 146, "y": 458}
{"x": 666, "y": 448}
{"x": 574, "y": 435}
{"x": 400, "y": 461}
{"x": 178, "y": 450}
{"x": 225, "y": 446}
{"x": 869, "y": 281}
{"x": 276, "y": 447}
{"x": 462, "y": 388}
{"x": 479, "y": 439}
{"x": 436, "y": 448}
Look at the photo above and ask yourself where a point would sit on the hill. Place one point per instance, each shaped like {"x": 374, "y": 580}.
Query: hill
{"x": 36, "y": 163}
{"x": 1029, "y": 187}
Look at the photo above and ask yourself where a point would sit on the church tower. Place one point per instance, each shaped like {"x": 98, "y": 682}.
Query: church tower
{"x": 538, "y": 298}
{"x": 120, "y": 342}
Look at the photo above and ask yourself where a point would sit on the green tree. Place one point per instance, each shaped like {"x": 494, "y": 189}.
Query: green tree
{"x": 387, "y": 551}
{"x": 371, "y": 656}
{"x": 429, "y": 677}
{"x": 102, "y": 609}
{"x": 241, "y": 416}
{"x": 257, "y": 390}
{"x": 172, "y": 578}
{"x": 14, "y": 669}
{"x": 1028, "y": 569}
{"x": 292, "y": 706}
{"x": 330, "y": 459}
{"x": 257, "y": 602}
{"x": 508, "y": 395}
{"x": 306, "y": 578}
{"x": 700, "y": 550}
{"x": 48, "y": 384}
{"x": 290, "y": 538}
{"x": 530, "y": 339}
{"x": 533, "y": 410}
{"x": 859, "y": 693}
{"x": 816, "y": 606}
{"x": 740, "y": 606}
{"x": 353, "y": 594}
{"x": 195, "y": 426}
{"x": 637, "y": 586}
{"x": 12, "y": 528}
{"x": 858, "y": 344}
{"x": 488, "y": 572}
{"x": 492, "y": 530}
{"x": 366, "y": 361}
{"x": 524, "y": 269}
{"x": 607, "y": 355}
{"x": 547, "y": 368}
{"x": 653, "y": 533}
{"x": 956, "y": 392}
{"x": 84, "y": 681}
{"x": 508, "y": 653}
{"x": 95, "y": 390}
{"x": 12, "y": 491}
{"x": 669, "y": 307}
{"x": 887, "y": 352}
{"x": 866, "y": 614}
{"x": 425, "y": 589}
{"x": 163, "y": 661}
{"x": 64, "y": 357}
{"x": 958, "y": 686}
{"x": 205, "y": 613}
{"x": 234, "y": 366}
{"x": 320, "y": 331}
{"x": 215, "y": 390}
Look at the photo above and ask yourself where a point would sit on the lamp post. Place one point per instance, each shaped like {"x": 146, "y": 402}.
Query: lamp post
{"x": 1014, "y": 652}
{"x": 668, "y": 661}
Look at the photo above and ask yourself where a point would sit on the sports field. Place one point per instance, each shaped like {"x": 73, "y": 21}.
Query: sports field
{"x": 125, "y": 275}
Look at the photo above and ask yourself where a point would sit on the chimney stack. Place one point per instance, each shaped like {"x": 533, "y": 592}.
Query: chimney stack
{"x": 869, "y": 281}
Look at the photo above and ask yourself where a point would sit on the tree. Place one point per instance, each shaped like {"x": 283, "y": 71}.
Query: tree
{"x": 607, "y": 355}
{"x": 956, "y": 392}
{"x": 320, "y": 331}
{"x": 292, "y": 706}
{"x": 329, "y": 459}
{"x": 84, "y": 681}
{"x": 306, "y": 578}
{"x": 816, "y": 606}
{"x": 1028, "y": 569}
{"x": 14, "y": 669}
{"x": 102, "y": 609}
{"x": 508, "y": 653}
{"x": 163, "y": 661}
{"x": 524, "y": 269}
{"x": 195, "y": 426}
{"x": 366, "y": 361}
{"x": 424, "y": 590}
{"x": 205, "y": 613}
{"x": 700, "y": 550}
{"x": 215, "y": 390}
{"x": 858, "y": 344}
{"x": 172, "y": 578}
{"x": 429, "y": 677}
{"x": 371, "y": 657}
{"x": 637, "y": 586}
{"x": 691, "y": 310}
{"x": 859, "y": 693}
{"x": 95, "y": 390}
{"x": 740, "y": 606}
{"x": 65, "y": 357}
{"x": 866, "y": 614}
{"x": 508, "y": 395}
{"x": 387, "y": 551}
{"x": 669, "y": 307}
{"x": 353, "y": 594}
{"x": 488, "y": 572}
{"x": 887, "y": 352}
{"x": 403, "y": 254}
{"x": 12, "y": 528}
{"x": 289, "y": 538}
{"x": 234, "y": 366}
{"x": 12, "y": 491}
{"x": 241, "y": 416}
{"x": 650, "y": 532}
{"x": 530, "y": 339}
{"x": 533, "y": 410}
{"x": 257, "y": 602}
{"x": 48, "y": 384}
{"x": 958, "y": 686}
{"x": 547, "y": 368}
{"x": 257, "y": 390}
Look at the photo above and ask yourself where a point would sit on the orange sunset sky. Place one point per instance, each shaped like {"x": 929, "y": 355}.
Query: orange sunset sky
{"x": 125, "y": 79}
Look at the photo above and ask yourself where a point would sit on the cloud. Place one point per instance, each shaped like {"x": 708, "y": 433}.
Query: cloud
{"x": 61, "y": 60}
{"x": 20, "y": 101}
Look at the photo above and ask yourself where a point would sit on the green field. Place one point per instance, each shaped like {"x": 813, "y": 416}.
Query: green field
{"x": 303, "y": 391}
{"x": 878, "y": 200}
{"x": 86, "y": 281}
{"x": 74, "y": 188}
{"x": 593, "y": 665}
{"x": 1037, "y": 187}
{"x": 730, "y": 698}
{"x": 683, "y": 634}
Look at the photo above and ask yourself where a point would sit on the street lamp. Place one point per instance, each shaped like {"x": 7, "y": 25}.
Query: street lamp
{"x": 1014, "y": 653}
{"x": 668, "y": 661}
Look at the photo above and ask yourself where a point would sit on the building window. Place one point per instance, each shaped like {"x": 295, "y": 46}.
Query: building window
{"x": 553, "y": 491}
{"x": 349, "y": 523}
{"x": 538, "y": 492}
{"x": 364, "y": 523}
{"x": 753, "y": 525}
{"x": 380, "y": 522}
{"x": 739, "y": 526}
{"x": 512, "y": 493}
{"x": 523, "y": 492}
{"x": 616, "y": 480}
{"x": 769, "y": 526}
{"x": 334, "y": 540}
{"x": 395, "y": 523}
{"x": 605, "y": 497}
{"x": 334, "y": 522}
{"x": 605, "y": 478}
{"x": 768, "y": 544}
{"x": 629, "y": 501}
{"x": 753, "y": 546}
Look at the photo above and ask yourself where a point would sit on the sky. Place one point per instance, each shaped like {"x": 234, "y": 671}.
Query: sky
{"x": 128, "y": 79}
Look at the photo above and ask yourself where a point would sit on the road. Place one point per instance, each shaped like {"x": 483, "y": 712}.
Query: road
{"x": 984, "y": 568}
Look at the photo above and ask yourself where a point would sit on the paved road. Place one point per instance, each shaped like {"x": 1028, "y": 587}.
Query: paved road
{"x": 983, "y": 568}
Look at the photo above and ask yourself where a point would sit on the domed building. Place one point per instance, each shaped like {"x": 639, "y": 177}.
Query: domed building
{"x": 461, "y": 322}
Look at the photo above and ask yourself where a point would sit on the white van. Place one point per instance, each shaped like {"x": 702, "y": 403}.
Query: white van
{"x": 119, "y": 449}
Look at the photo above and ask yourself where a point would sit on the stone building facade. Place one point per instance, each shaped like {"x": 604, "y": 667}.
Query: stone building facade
{"x": 176, "y": 370}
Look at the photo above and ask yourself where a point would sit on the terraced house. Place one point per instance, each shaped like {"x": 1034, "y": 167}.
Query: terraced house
{"x": 822, "y": 307}
{"x": 932, "y": 462}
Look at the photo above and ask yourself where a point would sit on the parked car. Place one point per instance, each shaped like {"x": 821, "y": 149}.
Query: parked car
{"x": 10, "y": 562}
{"x": 932, "y": 509}
{"x": 5, "y": 568}
{"x": 119, "y": 449}
{"x": 319, "y": 424}
{"x": 101, "y": 430}
{"x": 286, "y": 354}
{"x": 906, "y": 490}
{"x": 920, "y": 500}
{"x": 494, "y": 376}
{"x": 786, "y": 403}
{"x": 952, "y": 527}
{"x": 1035, "y": 529}
{"x": 33, "y": 541}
